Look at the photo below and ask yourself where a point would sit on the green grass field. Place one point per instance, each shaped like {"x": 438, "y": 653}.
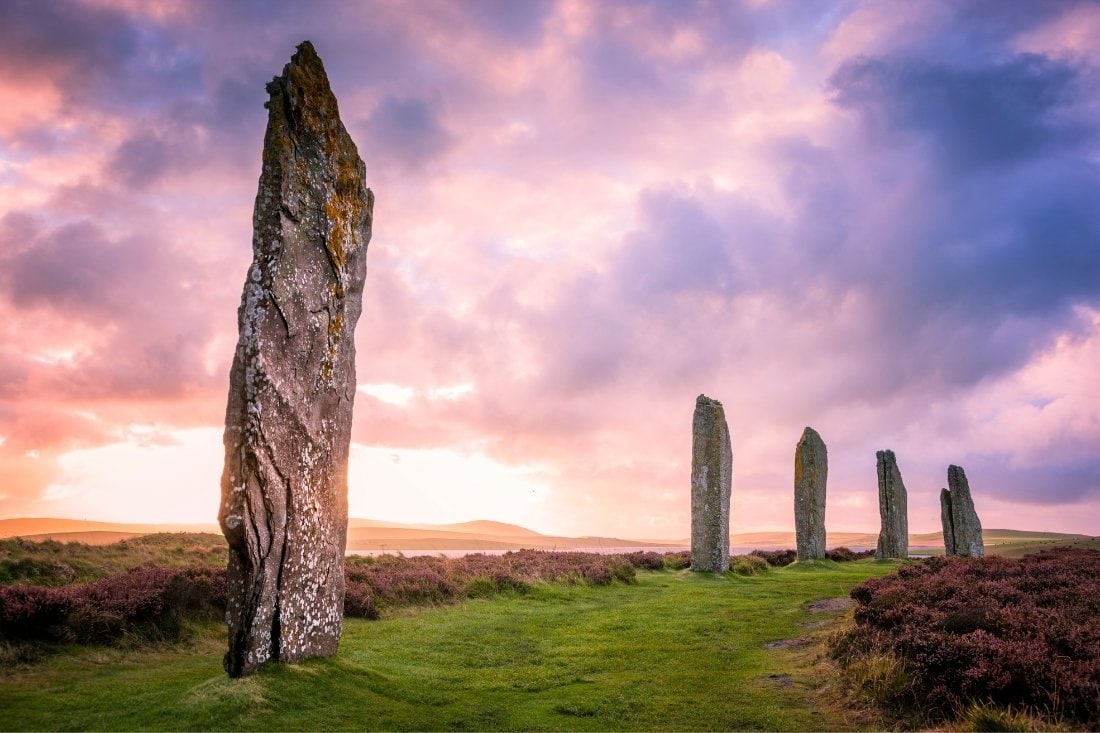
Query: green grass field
{"x": 676, "y": 651}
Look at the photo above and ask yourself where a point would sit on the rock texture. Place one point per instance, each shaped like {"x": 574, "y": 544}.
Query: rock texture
{"x": 960, "y": 519}
{"x": 811, "y": 471}
{"x": 292, "y": 385}
{"x": 893, "y": 538}
{"x": 948, "y": 524}
{"x": 711, "y": 476}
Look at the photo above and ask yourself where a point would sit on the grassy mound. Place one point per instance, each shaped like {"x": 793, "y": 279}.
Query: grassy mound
{"x": 674, "y": 650}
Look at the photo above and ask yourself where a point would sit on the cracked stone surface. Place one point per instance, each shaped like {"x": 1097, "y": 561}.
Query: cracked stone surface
{"x": 962, "y": 530}
{"x": 811, "y": 471}
{"x": 711, "y": 477}
{"x": 292, "y": 384}
{"x": 893, "y": 538}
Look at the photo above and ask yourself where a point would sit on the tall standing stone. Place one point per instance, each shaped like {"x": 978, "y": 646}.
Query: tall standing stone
{"x": 893, "y": 538}
{"x": 292, "y": 384}
{"x": 711, "y": 477}
{"x": 811, "y": 471}
{"x": 957, "y": 504}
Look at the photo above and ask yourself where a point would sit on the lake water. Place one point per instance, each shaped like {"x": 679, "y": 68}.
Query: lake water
{"x": 463, "y": 553}
{"x": 915, "y": 552}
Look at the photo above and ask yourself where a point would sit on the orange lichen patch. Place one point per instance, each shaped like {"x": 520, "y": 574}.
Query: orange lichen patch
{"x": 335, "y": 324}
{"x": 343, "y": 208}
{"x": 335, "y": 242}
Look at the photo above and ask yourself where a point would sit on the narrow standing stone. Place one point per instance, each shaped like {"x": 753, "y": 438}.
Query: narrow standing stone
{"x": 292, "y": 385}
{"x": 811, "y": 471}
{"x": 893, "y": 539}
{"x": 948, "y": 523}
{"x": 966, "y": 528}
{"x": 711, "y": 477}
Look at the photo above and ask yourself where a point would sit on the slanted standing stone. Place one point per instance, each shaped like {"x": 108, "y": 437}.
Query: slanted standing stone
{"x": 893, "y": 538}
{"x": 711, "y": 477}
{"x": 962, "y": 530}
{"x": 291, "y": 388}
{"x": 811, "y": 471}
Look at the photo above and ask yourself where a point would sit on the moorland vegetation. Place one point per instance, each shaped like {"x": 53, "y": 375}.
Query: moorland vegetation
{"x": 953, "y": 637}
{"x": 996, "y": 642}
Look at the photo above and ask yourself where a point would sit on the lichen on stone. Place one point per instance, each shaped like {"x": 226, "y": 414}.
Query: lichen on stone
{"x": 288, "y": 418}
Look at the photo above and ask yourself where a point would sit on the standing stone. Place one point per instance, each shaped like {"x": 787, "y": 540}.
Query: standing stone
{"x": 291, "y": 388}
{"x": 948, "y": 524}
{"x": 966, "y": 529}
{"x": 893, "y": 538}
{"x": 811, "y": 471}
{"x": 711, "y": 476}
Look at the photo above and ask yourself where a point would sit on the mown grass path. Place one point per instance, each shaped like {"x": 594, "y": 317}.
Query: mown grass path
{"x": 676, "y": 651}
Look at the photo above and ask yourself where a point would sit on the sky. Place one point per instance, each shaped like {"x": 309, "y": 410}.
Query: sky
{"x": 879, "y": 219}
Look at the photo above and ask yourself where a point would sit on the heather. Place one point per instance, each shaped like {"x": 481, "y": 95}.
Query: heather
{"x": 154, "y": 603}
{"x": 781, "y": 558}
{"x": 391, "y": 581}
{"x": 947, "y": 634}
{"x": 149, "y": 603}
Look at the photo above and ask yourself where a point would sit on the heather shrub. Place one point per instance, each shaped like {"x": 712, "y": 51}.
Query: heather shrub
{"x": 624, "y": 571}
{"x": 1020, "y": 633}
{"x": 646, "y": 560}
{"x": 146, "y": 602}
{"x": 749, "y": 565}
{"x": 678, "y": 560}
{"x": 393, "y": 581}
{"x": 389, "y": 584}
{"x": 776, "y": 558}
{"x": 33, "y": 612}
{"x": 358, "y": 603}
{"x": 843, "y": 554}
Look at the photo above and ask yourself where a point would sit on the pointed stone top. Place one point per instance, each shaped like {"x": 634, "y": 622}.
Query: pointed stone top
{"x": 304, "y": 63}
{"x": 303, "y": 94}
{"x": 704, "y": 400}
{"x": 811, "y": 435}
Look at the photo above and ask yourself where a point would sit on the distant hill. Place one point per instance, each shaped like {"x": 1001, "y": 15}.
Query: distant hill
{"x": 33, "y": 526}
{"x": 363, "y": 534}
{"x": 375, "y": 534}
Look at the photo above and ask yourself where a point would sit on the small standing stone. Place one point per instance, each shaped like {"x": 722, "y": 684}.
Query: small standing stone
{"x": 893, "y": 539}
{"x": 811, "y": 471}
{"x": 711, "y": 476}
{"x": 284, "y": 509}
{"x": 966, "y": 528}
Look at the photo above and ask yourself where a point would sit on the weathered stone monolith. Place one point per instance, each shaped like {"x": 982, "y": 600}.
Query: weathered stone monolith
{"x": 948, "y": 524}
{"x": 292, "y": 385}
{"x": 957, "y": 505}
{"x": 893, "y": 538}
{"x": 811, "y": 471}
{"x": 711, "y": 477}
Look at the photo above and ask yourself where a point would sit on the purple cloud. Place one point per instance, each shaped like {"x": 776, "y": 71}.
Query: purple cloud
{"x": 405, "y": 131}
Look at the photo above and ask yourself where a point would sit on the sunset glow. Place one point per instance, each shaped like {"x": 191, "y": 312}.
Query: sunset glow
{"x": 878, "y": 219}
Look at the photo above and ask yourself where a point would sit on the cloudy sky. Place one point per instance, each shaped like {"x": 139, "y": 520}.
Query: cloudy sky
{"x": 880, "y": 219}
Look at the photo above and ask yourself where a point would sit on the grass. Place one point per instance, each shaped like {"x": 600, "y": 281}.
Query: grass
{"x": 59, "y": 563}
{"x": 677, "y": 650}
{"x": 1019, "y": 548}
